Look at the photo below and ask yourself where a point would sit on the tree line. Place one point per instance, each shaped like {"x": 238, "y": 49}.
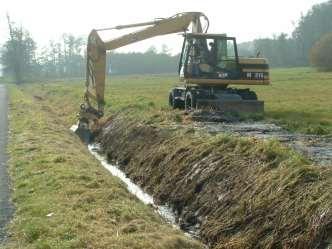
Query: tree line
{"x": 66, "y": 58}
{"x": 59, "y": 59}
{"x": 310, "y": 42}
{"x": 149, "y": 62}
{"x": 294, "y": 50}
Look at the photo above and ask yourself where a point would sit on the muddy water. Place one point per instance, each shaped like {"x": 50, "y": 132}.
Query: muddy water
{"x": 163, "y": 210}
{"x": 316, "y": 148}
{"x": 132, "y": 188}
{"x": 147, "y": 199}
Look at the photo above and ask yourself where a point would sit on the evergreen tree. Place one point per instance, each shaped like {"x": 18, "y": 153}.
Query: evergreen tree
{"x": 321, "y": 53}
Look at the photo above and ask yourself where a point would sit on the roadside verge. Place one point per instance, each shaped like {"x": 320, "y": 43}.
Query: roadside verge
{"x": 5, "y": 205}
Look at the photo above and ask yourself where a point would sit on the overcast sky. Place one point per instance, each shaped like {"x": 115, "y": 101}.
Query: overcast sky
{"x": 245, "y": 20}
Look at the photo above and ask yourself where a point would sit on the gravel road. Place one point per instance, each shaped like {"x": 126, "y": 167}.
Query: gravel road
{"x": 5, "y": 206}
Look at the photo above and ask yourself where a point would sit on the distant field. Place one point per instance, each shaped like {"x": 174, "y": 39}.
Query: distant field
{"x": 299, "y": 99}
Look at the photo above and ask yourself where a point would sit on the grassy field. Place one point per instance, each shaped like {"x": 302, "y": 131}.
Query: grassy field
{"x": 52, "y": 171}
{"x": 63, "y": 197}
{"x": 299, "y": 99}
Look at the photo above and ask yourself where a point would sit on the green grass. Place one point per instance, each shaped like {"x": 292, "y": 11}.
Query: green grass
{"x": 52, "y": 172}
{"x": 298, "y": 99}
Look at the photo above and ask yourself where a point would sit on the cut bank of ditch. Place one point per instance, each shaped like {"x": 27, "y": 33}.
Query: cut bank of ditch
{"x": 234, "y": 192}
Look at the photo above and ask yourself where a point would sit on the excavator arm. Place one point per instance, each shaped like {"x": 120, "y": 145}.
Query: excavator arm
{"x": 93, "y": 107}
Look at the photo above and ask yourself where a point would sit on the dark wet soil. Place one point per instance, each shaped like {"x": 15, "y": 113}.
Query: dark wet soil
{"x": 5, "y": 206}
{"x": 316, "y": 148}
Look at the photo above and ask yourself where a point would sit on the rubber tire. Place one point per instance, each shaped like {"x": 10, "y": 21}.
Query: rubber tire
{"x": 175, "y": 103}
{"x": 248, "y": 95}
{"x": 190, "y": 101}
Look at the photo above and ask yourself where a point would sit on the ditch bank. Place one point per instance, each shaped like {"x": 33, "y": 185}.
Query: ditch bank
{"x": 232, "y": 192}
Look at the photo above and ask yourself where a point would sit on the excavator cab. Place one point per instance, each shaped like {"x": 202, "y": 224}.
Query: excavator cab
{"x": 209, "y": 63}
{"x": 209, "y": 56}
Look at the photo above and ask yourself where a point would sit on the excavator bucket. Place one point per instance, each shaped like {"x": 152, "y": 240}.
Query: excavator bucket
{"x": 83, "y": 133}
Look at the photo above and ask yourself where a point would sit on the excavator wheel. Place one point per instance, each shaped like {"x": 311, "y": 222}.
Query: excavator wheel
{"x": 190, "y": 101}
{"x": 174, "y": 102}
{"x": 246, "y": 94}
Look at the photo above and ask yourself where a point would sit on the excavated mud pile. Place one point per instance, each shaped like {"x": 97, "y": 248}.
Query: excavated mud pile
{"x": 232, "y": 192}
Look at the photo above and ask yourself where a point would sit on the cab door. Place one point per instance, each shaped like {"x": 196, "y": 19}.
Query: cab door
{"x": 182, "y": 69}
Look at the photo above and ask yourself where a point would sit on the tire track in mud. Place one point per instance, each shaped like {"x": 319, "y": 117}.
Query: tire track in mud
{"x": 5, "y": 206}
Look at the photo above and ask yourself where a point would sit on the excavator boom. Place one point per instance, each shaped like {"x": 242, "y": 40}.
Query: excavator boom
{"x": 208, "y": 64}
{"x": 93, "y": 107}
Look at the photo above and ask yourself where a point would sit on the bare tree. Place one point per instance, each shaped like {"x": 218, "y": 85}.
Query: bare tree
{"x": 18, "y": 53}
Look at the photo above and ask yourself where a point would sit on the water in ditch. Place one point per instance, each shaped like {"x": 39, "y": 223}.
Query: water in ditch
{"x": 147, "y": 199}
{"x": 163, "y": 210}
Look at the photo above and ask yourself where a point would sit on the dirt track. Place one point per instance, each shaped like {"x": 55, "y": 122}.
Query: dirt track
{"x": 316, "y": 148}
{"x": 5, "y": 207}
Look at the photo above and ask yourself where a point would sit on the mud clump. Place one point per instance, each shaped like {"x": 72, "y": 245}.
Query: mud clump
{"x": 232, "y": 192}
{"x": 213, "y": 116}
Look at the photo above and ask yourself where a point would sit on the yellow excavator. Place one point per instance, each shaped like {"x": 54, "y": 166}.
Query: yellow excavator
{"x": 208, "y": 64}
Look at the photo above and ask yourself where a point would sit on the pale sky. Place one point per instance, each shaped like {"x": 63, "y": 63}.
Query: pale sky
{"x": 246, "y": 20}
